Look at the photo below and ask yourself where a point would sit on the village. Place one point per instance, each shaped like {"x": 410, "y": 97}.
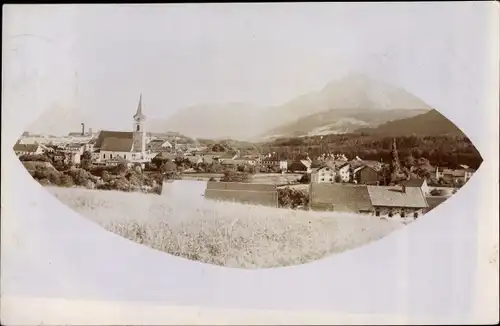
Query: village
{"x": 330, "y": 181}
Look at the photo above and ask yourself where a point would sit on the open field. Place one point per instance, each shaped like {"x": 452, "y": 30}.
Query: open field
{"x": 262, "y": 178}
{"x": 227, "y": 234}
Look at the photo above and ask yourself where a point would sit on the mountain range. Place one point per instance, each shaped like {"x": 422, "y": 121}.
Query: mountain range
{"x": 344, "y": 105}
{"x": 431, "y": 123}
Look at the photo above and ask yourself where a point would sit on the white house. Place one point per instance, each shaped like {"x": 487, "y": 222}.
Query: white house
{"x": 283, "y": 165}
{"x": 417, "y": 183}
{"x": 324, "y": 174}
{"x": 344, "y": 173}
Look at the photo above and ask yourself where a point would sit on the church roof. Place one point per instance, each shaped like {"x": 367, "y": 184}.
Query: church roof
{"x": 117, "y": 144}
{"x": 112, "y": 134}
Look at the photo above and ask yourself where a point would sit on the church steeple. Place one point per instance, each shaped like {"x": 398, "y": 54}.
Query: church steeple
{"x": 139, "y": 115}
{"x": 139, "y": 135}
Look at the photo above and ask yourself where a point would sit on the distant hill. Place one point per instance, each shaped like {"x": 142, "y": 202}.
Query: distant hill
{"x": 340, "y": 121}
{"x": 356, "y": 93}
{"x": 431, "y": 123}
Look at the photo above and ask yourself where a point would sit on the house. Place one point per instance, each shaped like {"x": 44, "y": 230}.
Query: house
{"x": 159, "y": 145}
{"x": 403, "y": 201}
{"x": 129, "y": 146}
{"x": 368, "y": 174}
{"x": 373, "y": 200}
{"x": 324, "y": 174}
{"x": 28, "y": 149}
{"x": 273, "y": 163}
{"x": 344, "y": 172}
{"x": 283, "y": 165}
{"x": 76, "y": 148}
{"x": 300, "y": 166}
{"x": 89, "y": 146}
{"x": 418, "y": 183}
{"x": 341, "y": 168}
{"x": 454, "y": 176}
{"x": 340, "y": 198}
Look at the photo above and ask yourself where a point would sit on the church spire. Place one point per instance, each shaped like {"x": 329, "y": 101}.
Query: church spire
{"x": 139, "y": 115}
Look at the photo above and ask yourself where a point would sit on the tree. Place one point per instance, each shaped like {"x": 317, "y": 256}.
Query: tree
{"x": 292, "y": 198}
{"x": 409, "y": 161}
{"x": 338, "y": 178}
{"x": 85, "y": 160}
{"x": 121, "y": 168}
{"x": 169, "y": 169}
{"x": 218, "y": 148}
{"x": 233, "y": 176}
{"x": 34, "y": 157}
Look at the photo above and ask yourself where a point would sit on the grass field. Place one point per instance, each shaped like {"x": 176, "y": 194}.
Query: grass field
{"x": 226, "y": 234}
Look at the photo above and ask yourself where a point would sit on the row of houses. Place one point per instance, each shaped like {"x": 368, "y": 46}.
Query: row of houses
{"x": 371, "y": 172}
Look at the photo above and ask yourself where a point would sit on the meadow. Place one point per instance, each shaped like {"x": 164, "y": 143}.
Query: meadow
{"x": 223, "y": 233}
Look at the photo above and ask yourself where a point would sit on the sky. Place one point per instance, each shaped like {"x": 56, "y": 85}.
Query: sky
{"x": 98, "y": 59}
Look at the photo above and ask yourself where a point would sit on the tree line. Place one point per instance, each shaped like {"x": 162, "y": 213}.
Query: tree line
{"x": 443, "y": 151}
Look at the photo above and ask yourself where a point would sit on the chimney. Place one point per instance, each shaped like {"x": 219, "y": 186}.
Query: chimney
{"x": 90, "y": 131}
{"x": 403, "y": 188}
{"x": 83, "y": 128}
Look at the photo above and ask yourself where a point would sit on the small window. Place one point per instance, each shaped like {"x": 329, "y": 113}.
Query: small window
{"x": 103, "y": 155}
{"x": 415, "y": 215}
{"x": 402, "y": 214}
{"x": 390, "y": 214}
{"x": 377, "y": 213}
{"x": 138, "y": 127}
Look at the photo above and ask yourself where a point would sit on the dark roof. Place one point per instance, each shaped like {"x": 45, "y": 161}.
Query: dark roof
{"x": 344, "y": 198}
{"x": 112, "y": 134}
{"x": 117, "y": 144}
{"x": 413, "y": 182}
{"x": 25, "y": 147}
{"x": 394, "y": 197}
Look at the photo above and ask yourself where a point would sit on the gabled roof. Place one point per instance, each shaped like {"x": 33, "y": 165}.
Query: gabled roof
{"x": 112, "y": 134}
{"x": 412, "y": 197}
{"x": 117, "y": 144}
{"x": 306, "y": 163}
{"x": 349, "y": 198}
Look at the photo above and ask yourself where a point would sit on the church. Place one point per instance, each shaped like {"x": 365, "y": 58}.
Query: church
{"x": 113, "y": 147}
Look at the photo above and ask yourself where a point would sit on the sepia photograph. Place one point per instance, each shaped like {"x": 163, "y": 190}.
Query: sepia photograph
{"x": 241, "y": 136}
